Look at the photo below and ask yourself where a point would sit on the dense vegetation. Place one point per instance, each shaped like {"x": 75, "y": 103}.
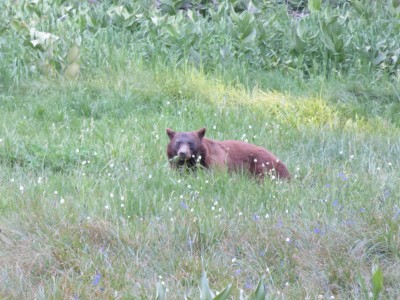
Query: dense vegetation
{"x": 89, "y": 207}
{"x": 238, "y": 39}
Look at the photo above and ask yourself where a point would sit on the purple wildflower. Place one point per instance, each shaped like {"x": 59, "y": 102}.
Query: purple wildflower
{"x": 256, "y": 217}
{"x": 248, "y": 285}
{"x": 96, "y": 279}
{"x": 317, "y": 230}
{"x": 183, "y": 205}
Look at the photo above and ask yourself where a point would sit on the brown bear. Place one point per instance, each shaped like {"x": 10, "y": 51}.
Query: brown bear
{"x": 187, "y": 149}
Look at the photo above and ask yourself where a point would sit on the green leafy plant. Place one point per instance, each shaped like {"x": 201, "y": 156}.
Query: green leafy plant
{"x": 314, "y": 5}
{"x": 260, "y": 293}
{"x": 377, "y": 283}
{"x": 207, "y": 294}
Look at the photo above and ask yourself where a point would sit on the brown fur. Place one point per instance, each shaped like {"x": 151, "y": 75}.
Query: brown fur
{"x": 187, "y": 149}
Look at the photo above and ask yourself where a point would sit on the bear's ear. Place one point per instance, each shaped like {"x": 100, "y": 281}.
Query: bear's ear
{"x": 201, "y": 133}
{"x": 170, "y": 133}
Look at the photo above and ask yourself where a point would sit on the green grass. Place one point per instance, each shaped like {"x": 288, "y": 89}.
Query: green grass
{"x": 90, "y": 209}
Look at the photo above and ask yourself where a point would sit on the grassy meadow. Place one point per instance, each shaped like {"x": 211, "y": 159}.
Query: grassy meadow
{"x": 89, "y": 208}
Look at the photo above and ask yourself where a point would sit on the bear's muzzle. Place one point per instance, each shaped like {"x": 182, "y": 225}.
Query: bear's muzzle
{"x": 184, "y": 152}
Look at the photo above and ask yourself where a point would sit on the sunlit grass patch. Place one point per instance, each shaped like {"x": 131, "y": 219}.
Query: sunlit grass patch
{"x": 314, "y": 111}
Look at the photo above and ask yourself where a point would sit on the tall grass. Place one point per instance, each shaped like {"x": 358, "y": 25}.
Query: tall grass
{"x": 89, "y": 207}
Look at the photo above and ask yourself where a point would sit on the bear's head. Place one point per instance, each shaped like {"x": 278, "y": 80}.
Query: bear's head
{"x": 185, "y": 148}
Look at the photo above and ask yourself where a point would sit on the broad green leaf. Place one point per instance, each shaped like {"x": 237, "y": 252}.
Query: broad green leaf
{"x": 326, "y": 38}
{"x": 339, "y": 45}
{"x": 19, "y": 25}
{"x": 362, "y": 284}
{"x": 171, "y": 30}
{"x": 377, "y": 283}
{"x": 246, "y": 28}
{"x": 246, "y": 17}
{"x": 301, "y": 29}
{"x": 314, "y": 5}
{"x": 167, "y": 7}
{"x": 89, "y": 20}
{"x": 250, "y": 38}
{"x": 72, "y": 71}
{"x": 358, "y": 6}
{"x": 252, "y": 8}
{"x": 190, "y": 15}
{"x": 178, "y": 4}
{"x": 73, "y": 54}
{"x": 260, "y": 292}
{"x": 330, "y": 18}
{"x": 235, "y": 17}
{"x": 380, "y": 58}
{"x": 205, "y": 292}
{"x": 32, "y": 7}
{"x": 195, "y": 57}
{"x": 224, "y": 294}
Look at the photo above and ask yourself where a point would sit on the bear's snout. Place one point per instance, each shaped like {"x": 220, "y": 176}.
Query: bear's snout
{"x": 184, "y": 152}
